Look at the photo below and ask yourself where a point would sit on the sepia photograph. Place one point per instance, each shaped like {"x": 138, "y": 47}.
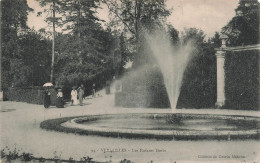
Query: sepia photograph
{"x": 129, "y": 81}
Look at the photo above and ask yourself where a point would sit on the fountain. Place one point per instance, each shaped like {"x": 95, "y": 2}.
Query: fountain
{"x": 172, "y": 62}
{"x": 168, "y": 126}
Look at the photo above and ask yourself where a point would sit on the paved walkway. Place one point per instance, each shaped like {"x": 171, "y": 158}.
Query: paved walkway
{"x": 20, "y": 129}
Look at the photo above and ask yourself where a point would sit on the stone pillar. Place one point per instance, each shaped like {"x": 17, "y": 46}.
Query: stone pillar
{"x": 221, "y": 72}
{"x": 220, "y": 78}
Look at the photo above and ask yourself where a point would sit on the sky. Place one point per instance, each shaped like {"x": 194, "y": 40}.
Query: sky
{"x": 207, "y": 15}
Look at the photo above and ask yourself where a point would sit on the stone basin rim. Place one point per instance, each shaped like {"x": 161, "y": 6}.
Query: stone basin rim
{"x": 74, "y": 123}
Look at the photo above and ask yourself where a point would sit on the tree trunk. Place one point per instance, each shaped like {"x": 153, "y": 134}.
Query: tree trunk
{"x": 53, "y": 44}
{"x": 137, "y": 60}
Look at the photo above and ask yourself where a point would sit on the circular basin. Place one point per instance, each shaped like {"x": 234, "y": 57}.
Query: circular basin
{"x": 168, "y": 126}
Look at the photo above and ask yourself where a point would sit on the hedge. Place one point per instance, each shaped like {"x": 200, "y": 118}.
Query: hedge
{"x": 29, "y": 95}
{"x": 143, "y": 88}
{"x": 242, "y": 80}
{"x": 198, "y": 88}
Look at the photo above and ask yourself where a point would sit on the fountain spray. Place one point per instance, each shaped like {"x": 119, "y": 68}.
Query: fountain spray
{"x": 172, "y": 62}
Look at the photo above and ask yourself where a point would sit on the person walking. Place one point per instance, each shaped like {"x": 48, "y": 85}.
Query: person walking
{"x": 59, "y": 99}
{"x": 94, "y": 90}
{"x": 47, "y": 98}
{"x": 74, "y": 96}
{"x": 81, "y": 94}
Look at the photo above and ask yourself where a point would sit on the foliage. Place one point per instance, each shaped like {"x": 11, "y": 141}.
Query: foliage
{"x": 26, "y": 156}
{"x": 49, "y": 6}
{"x": 82, "y": 59}
{"x": 136, "y": 16}
{"x": 77, "y": 16}
{"x": 143, "y": 87}
{"x": 8, "y": 156}
{"x": 80, "y": 16}
{"x": 33, "y": 95}
{"x": 243, "y": 29}
{"x": 12, "y": 155}
{"x": 27, "y": 66}
{"x": 14, "y": 16}
{"x": 174, "y": 35}
{"x": 126, "y": 56}
{"x": 196, "y": 36}
{"x": 22, "y": 64}
{"x": 86, "y": 159}
{"x": 36, "y": 58}
{"x": 199, "y": 81}
{"x": 126, "y": 161}
{"x": 84, "y": 54}
{"x": 242, "y": 83}
{"x": 215, "y": 41}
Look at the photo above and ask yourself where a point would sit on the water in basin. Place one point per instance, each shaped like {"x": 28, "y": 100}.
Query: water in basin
{"x": 161, "y": 123}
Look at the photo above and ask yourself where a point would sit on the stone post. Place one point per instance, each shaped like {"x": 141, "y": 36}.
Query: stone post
{"x": 220, "y": 79}
{"x": 221, "y": 73}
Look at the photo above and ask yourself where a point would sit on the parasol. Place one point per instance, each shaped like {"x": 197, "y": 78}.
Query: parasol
{"x": 48, "y": 85}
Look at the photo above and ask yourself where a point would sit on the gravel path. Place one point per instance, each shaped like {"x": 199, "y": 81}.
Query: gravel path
{"x": 20, "y": 129}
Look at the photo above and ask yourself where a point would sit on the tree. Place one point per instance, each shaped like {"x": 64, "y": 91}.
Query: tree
{"x": 14, "y": 18}
{"x": 137, "y": 16}
{"x": 82, "y": 59}
{"x": 77, "y": 16}
{"x": 49, "y": 6}
{"x": 194, "y": 35}
{"x": 243, "y": 29}
{"x": 85, "y": 51}
{"x": 126, "y": 55}
{"x": 216, "y": 41}
{"x": 54, "y": 20}
{"x": 80, "y": 16}
{"x": 242, "y": 84}
{"x": 14, "y": 15}
{"x": 37, "y": 58}
{"x": 199, "y": 81}
{"x": 174, "y": 35}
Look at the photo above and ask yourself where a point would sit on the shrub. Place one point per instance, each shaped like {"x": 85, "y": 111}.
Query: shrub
{"x": 27, "y": 156}
{"x": 12, "y": 155}
{"x": 29, "y": 94}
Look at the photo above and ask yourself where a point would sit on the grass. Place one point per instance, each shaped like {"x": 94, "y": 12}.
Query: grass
{"x": 8, "y": 156}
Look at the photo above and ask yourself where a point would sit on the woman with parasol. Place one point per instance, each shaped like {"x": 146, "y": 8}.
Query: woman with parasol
{"x": 47, "y": 95}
